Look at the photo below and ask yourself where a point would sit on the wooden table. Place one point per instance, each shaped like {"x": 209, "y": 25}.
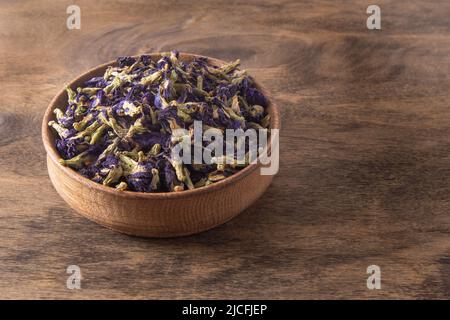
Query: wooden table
{"x": 365, "y": 152}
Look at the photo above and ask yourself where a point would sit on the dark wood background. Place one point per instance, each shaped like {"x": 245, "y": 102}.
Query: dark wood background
{"x": 365, "y": 151}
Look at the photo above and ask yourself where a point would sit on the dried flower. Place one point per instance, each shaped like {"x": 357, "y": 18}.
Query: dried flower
{"x": 119, "y": 129}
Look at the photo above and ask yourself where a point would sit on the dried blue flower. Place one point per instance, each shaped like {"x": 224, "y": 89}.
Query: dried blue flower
{"x": 254, "y": 96}
{"x": 117, "y": 129}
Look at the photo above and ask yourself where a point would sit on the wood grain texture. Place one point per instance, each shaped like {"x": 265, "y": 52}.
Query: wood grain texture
{"x": 365, "y": 152}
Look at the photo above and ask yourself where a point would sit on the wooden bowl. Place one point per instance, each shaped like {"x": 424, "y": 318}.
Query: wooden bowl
{"x": 165, "y": 214}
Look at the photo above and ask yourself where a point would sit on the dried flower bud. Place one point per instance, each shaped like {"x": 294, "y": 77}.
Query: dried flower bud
{"x": 119, "y": 129}
{"x": 122, "y": 186}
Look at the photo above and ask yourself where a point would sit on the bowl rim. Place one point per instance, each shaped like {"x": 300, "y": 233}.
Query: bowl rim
{"x": 54, "y": 156}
